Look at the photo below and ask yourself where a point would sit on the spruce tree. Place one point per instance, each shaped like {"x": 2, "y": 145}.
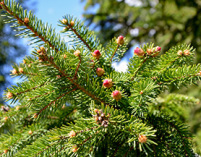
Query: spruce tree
{"x": 11, "y": 50}
{"x": 73, "y": 103}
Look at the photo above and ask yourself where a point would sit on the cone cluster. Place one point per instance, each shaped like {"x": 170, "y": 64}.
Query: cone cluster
{"x": 101, "y": 118}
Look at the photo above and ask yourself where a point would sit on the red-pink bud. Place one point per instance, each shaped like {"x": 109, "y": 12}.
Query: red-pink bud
{"x": 158, "y": 48}
{"x": 107, "y": 83}
{"x": 116, "y": 95}
{"x": 156, "y": 51}
{"x": 120, "y": 40}
{"x": 138, "y": 51}
{"x": 96, "y": 54}
{"x": 100, "y": 71}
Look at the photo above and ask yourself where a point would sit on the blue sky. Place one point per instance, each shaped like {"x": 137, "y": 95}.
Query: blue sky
{"x": 51, "y": 11}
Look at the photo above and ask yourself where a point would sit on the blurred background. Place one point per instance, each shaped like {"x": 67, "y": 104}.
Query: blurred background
{"x": 163, "y": 22}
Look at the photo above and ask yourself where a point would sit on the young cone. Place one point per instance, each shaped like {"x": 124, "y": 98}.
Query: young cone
{"x": 72, "y": 134}
{"x": 142, "y": 139}
{"x": 120, "y": 40}
{"x": 77, "y": 53}
{"x": 96, "y": 54}
{"x": 139, "y": 52}
{"x": 107, "y": 83}
{"x": 100, "y": 72}
{"x": 14, "y": 71}
{"x": 116, "y": 95}
{"x": 9, "y": 95}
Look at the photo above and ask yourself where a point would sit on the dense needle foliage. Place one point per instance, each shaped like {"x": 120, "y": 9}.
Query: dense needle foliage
{"x": 73, "y": 103}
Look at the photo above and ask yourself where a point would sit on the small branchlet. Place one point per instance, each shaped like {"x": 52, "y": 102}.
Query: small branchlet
{"x": 101, "y": 118}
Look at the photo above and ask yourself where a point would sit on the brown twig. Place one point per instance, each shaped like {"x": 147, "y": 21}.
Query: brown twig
{"x": 51, "y": 61}
{"x": 75, "y": 76}
{"x": 28, "y": 90}
{"x": 169, "y": 64}
{"x": 73, "y": 82}
{"x": 175, "y": 79}
{"x": 38, "y": 96}
{"x": 29, "y": 74}
{"x": 79, "y": 36}
{"x": 128, "y": 151}
{"x": 114, "y": 52}
{"x": 66, "y": 137}
{"x": 135, "y": 73}
{"x": 55, "y": 100}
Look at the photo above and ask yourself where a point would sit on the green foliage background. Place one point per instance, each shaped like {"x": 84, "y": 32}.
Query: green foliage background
{"x": 163, "y": 22}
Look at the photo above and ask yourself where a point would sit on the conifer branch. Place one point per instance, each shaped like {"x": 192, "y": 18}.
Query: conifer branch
{"x": 56, "y": 100}
{"x": 28, "y": 90}
{"x": 38, "y": 96}
{"x": 172, "y": 62}
{"x": 73, "y": 82}
{"x": 114, "y": 52}
{"x": 67, "y": 137}
{"x": 26, "y": 73}
{"x": 78, "y": 132}
{"x": 46, "y": 41}
{"x": 170, "y": 150}
{"x": 135, "y": 73}
{"x": 75, "y": 76}
{"x": 19, "y": 140}
{"x": 55, "y": 79}
{"x": 174, "y": 126}
{"x": 29, "y": 27}
{"x": 125, "y": 155}
{"x": 48, "y": 147}
{"x": 79, "y": 36}
{"x": 176, "y": 79}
